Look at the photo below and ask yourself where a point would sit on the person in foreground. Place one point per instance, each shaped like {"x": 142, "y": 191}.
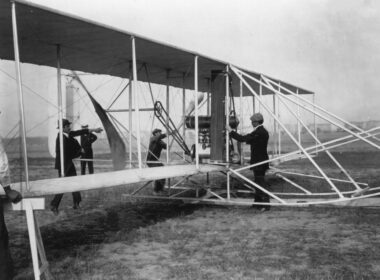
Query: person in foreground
{"x": 156, "y": 145}
{"x": 258, "y": 140}
{"x": 71, "y": 150}
{"x": 6, "y": 263}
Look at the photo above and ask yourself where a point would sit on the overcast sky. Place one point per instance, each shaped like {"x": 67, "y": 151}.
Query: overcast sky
{"x": 328, "y": 46}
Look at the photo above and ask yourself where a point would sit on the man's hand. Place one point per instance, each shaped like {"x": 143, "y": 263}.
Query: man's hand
{"x": 97, "y": 130}
{"x": 229, "y": 129}
{"x": 13, "y": 195}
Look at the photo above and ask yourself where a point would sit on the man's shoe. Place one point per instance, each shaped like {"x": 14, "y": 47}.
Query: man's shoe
{"x": 54, "y": 209}
{"x": 76, "y": 206}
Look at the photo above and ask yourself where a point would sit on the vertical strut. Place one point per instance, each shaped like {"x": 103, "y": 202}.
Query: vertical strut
{"x": 20, "y": 93}
{"x": 137, "y": 99}
{"x": 196, "y": 110}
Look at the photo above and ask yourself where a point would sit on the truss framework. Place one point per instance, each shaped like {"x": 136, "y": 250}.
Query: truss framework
{"x": 302, "y": 195}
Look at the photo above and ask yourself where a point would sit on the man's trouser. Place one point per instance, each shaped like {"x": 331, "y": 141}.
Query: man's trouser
{"x": 158, "y": 184}
{"x": 6, "y": 264}
{"x": 260, "y": 196}
{"x": 87, "y": 155}
{"x": 77, "y": 198}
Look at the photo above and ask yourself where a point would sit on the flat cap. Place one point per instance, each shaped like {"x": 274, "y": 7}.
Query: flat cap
{"x": 257, "y": 117}
{"x": 156, "y": 130}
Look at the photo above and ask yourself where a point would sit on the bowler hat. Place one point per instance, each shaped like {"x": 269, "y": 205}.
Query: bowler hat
{"x": 64, "y": 122}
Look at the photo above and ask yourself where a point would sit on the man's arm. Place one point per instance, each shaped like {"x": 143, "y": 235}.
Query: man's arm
{"x": 163, "y": 145}
{"x": 75, "y": 133}
{"x": 5, "y": 181}
{"x": 92, "y": 138}
{"x": 79, "y": 132}
{"x": 238, "y": 137}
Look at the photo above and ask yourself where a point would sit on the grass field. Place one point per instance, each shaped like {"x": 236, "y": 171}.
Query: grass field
{"x": 112, "y": 237}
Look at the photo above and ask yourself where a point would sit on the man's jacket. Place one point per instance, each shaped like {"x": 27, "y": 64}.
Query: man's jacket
{"x": 258, "y": 140}
{"x": 155, "y": 147}
{"x": 71, "y": 149}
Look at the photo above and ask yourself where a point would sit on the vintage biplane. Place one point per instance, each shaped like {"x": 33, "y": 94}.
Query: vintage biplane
{"x": 209, "y": 89}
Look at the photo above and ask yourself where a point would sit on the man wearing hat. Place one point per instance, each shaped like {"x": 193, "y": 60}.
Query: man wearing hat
{"x": 6, "y": 263}
{"x": 71, "y": 150}
{"x": 258, "y": 139}
{"x": 155, "y": 147}
{"x": 86, "y": 142}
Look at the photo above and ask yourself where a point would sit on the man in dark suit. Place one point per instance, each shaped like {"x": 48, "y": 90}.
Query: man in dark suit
{"x": 87, "y": 153}
{"x": 156, "y": 145}
{"x": 258, "y": 140}
{"x": 6, "y": 263}
{"x": 71, "y": 150}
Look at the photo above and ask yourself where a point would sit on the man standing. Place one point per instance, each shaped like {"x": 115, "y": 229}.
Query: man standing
{"x": 155, "y": 147}
{"x": 86, "y": 142}
{"x": 71, "y": 150}
{"x": 258, "y": 139}
{"x": 6, "y": 263}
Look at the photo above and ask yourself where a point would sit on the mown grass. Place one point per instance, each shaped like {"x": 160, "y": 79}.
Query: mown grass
{"x": 223, "y": 243}
{"x": 112, "y": 238}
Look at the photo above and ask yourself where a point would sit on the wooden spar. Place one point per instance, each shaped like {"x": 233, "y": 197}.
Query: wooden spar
{"x": 319, "y": 142}
{"x": 183, "y": 108}
{"x": 241, "y": 119}
{"x": 167, "y": 117}
{"x": 208, "y": 96}
{"x": 274, "y": 126}
{"x": 136, "y": 99}
{"x": 314, "y": 176}
{"x": 227, "y": 116}
{"x": 298, "y": 119}
{"x": 129, "y": 110}
{"x": 20, "y": 93}
{"x": 292, "y": 155}
{"x": 315, "y": 124}
{"x": 293, "y": 183}
{"x": 196, "y": 110}
{"x": 306, "y": 108}
{"x": 227, "y": 112}
{"x": 130, "y": 115}
{"x": 260, "y": 96}
{"x": 313, "y": 111}
{"x": 278, "y": 127}
{"x": 240, "y": 74}
{"x": 183, "y": 105}
{"x": 60, "y": 111}
{"x": 110, "y": 179}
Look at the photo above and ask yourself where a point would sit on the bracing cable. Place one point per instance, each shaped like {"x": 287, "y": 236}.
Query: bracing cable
{"x": 164, "y": 118}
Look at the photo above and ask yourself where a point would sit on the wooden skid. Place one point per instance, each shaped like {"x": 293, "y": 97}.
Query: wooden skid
{"x": 364, "y": 201}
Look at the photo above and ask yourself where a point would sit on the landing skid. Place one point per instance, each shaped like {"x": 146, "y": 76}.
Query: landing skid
{"x": 194, "y": 193}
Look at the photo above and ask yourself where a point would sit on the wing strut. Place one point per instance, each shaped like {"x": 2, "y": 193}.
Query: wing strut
{"x": 162, "y": 116}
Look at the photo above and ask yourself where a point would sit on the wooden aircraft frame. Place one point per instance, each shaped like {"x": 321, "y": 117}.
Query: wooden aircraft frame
{"x": 257, "y": 85}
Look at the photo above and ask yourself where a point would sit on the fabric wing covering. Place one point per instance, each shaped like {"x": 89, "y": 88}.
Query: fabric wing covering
{"x": 114, "y": 139}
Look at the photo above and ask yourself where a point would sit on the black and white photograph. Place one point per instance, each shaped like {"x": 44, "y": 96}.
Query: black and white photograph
{"x": 189, "y": 140}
